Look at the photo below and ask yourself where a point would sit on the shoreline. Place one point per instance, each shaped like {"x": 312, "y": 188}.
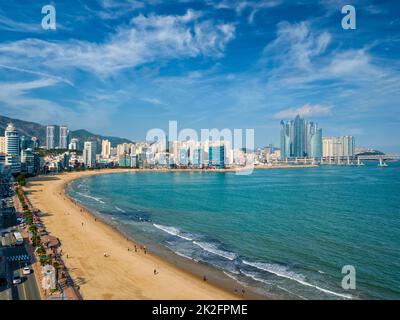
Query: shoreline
{"x": 47, "y": 193}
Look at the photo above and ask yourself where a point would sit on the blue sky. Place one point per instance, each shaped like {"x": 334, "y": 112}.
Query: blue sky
{"x": 124, "y": 67}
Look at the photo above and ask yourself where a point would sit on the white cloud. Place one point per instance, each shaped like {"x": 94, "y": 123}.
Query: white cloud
{"x": 240, "y": 6}
{"x": 154, "y": 101}
{"x": 307, "y": 110}
{"x": 296, "y": 46}
{"x": 147, "y": 39}
{"x": 16, "y": 101}
{"x": 11, "y": 25}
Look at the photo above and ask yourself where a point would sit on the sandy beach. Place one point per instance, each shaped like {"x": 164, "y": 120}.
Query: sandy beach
{"x": 123, "y": 274}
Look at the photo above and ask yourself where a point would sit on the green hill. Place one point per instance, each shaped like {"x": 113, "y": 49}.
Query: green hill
{"x": 32, "y": 129}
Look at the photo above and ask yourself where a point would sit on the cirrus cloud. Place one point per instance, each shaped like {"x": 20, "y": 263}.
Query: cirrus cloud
{"x": 307, "y": 110}
{"x": 144, "y": 40}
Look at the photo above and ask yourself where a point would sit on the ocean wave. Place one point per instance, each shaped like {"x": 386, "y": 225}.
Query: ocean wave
{"x": 230, "y": 276}
{"x": 254, "y": 277}
{"x": 282, "y": 271}
{"x": 209, "y": 247}
{"x": 119, "y": 209}
{"x": 172, "y": 231}
{"x": 90, "y": 197}
{"x": 183, "y": 255}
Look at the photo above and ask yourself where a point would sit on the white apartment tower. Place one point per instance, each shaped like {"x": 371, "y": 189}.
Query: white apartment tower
{"x": 105, "y": 149}
{"x": 89, "y": 154}
{"x": 50, "y": 132}
{"x": 63, "y": 138}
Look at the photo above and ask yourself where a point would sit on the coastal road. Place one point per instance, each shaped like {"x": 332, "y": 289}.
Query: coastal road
{"x": 28, "y": 289}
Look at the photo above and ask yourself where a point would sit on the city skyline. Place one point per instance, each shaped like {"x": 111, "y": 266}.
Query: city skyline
{"x": 234, "y": 65}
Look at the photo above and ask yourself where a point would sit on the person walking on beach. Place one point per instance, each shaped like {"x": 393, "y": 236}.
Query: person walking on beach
{"x": 155, "y": 271}
{"x": 145, "y": 251}
{"x": 135, "y": 248}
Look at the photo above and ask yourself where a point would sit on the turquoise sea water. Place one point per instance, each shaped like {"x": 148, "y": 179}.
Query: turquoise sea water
{"x": 286, "y": 231}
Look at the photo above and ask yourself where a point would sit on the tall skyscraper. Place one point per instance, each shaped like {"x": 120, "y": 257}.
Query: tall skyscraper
{"x": 63, "y": 138}
{"x": 50, "y": 132}
{"x": 316, "y": 144}
{"x": 286, "y": 143}
{"x": 105, "y": 149}
{"x": 89, "y": 154}
{"x": 12, "y": 148}
{"x": 300, "y": 138}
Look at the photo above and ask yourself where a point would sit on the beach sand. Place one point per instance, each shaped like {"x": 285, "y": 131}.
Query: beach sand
{"x": 123, "y": 274}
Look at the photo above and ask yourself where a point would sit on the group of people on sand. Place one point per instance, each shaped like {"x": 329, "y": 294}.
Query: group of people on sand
{"x": 142, "y": 248}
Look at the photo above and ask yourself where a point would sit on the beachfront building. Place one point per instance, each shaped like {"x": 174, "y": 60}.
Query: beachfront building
{"x": 63, "y": 137}
{"x": 316, "y": 144}
{"x": 105, "y": 149}
{"x": 197, "y": 155}
{"x": 89, "y": 154}
{"x": 50, "y": 133}
{"x": 300, "y": 138}
{"x": 124, "y": 148}
{"x": 216, "y": 155}
{"x": 338, "y": 147}
{"x": 183, "y": 153}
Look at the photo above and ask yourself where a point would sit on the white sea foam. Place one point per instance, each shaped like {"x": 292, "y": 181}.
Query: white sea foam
{"x": 282, "y": 271}
{"x": 172, "y": 231}
{"x": 119, "y": 209}
{"x": 183, "y": 255}
{"x": 209, "y": 247}
{"x": 90, "y": 197}
{"x": 254, "y": 277}
{"x": 230, "y": 275}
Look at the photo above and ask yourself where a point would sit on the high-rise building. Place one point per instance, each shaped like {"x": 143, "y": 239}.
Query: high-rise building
{"x": 34, "y": 143}
{"x": 300, "y": 138}
{"x": 334, "y": 147}
{"x": 184, "y": 155}
{"x": 316, "y": 144}
{"x": 12, "y": 148}
{"x": 124, "y": 148}
{"x": 73, "y": 145}
{"x": 27, "y": 161}
{"x": 89, "y": 154}
{"x": 286, "y": 143}
{"x": 216, "y": 155}
{"x": 50, "y": 132}
{"x": 64, "y": 137}
{"x": 105, "y": 149}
